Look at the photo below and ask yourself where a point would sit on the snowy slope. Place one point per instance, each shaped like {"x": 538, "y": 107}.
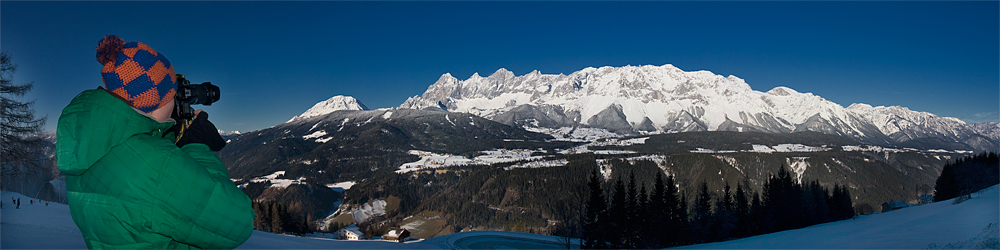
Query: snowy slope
{"x": 919, "y": 227}
{"x": 51, "y": 227}
{"x": 333, "y": 104}
{"x": 935, "y": 225}
{"x": 667, "y": 99}
{"x": 37, "y": 226}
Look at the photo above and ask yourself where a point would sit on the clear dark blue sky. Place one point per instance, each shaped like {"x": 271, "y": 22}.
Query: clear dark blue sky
{"x": 274, "y": 60}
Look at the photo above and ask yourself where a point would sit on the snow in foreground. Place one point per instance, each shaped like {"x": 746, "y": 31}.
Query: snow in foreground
{"x": 50, "y": 227}
{"x": 970, "y": 224}
{"x": 936, "y": 225}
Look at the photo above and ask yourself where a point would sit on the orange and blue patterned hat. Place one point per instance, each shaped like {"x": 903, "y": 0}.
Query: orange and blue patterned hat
{"x": 136, "y": 73}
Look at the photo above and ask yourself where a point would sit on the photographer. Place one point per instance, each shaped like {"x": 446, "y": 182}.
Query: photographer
{"x": 130, "y": 183}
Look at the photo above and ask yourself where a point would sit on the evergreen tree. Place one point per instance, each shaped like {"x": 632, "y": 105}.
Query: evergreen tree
{"x": 727, "y": 199}
{"x": 947, "y": 186}
{"x": 967, "y": 175}
{"x": 814, "y": 204}
{"x": 643, "y": 220}
{"x": 782, "y": 200}
{"x": 723, "y": 219}
{"x": 18, "y": 147}
{"x": 840, "y": 202}
{"x": 593, "y": 229}
{"x": 257, "y": 223}
{"x": 659, "y": 213}
{"x": 642, "y": 208}
{"x": 742, "y": 212}
{"x": 687, "y": 234}
{"x": 277, "y": 218}
{"x": 757, "y": 214}
{"x": 616, "y": 216}
{"x": 631, "y": 213}
{"x": 310, "y": 224}
{"x": 703, "y": 213}
{"x": 633, "y": 197}
{"x": 677, "y": 224}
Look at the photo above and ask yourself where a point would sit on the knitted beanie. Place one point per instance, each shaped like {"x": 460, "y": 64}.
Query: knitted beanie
{"x": 136, "y": 73}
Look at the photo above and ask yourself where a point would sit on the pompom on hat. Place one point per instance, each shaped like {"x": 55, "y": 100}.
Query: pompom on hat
{"x": 136, "y": 73}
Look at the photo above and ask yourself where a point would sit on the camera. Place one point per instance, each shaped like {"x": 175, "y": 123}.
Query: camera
{"x": 187, "y": 94}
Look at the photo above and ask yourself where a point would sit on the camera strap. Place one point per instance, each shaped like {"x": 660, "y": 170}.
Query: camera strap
{"x": 184, "y": 123}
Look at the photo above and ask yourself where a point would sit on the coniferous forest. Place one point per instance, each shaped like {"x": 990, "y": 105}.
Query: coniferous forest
{"x": 637, "y": 215}
{"x": 967, "y": 175}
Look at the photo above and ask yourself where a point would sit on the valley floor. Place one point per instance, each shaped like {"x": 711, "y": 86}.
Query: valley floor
{"x": 970, "y": 224}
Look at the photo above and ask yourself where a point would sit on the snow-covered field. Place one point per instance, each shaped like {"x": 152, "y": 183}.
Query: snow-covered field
{"x": 786, "y": 148}
{"x": 574, "y": 134}
{"x": 282, "y": 183}
{"x": 374, "y": 208}
{"x": 781, "y": 148}
{"x": 539, "y": 164}
{"x": 341, "y": 186}
{"x": 429, "y": 160}
{"x": 934, "y": 225}
{"x": 37, "y": 225}
{"x": 970, "y": 224}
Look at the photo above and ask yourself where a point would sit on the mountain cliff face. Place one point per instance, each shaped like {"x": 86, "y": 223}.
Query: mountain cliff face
{"x": 666, "y": 99}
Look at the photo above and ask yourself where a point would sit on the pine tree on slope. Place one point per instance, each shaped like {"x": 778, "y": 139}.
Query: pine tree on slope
{"x": 18, "y": 147}
{"x": 596, "y": 205}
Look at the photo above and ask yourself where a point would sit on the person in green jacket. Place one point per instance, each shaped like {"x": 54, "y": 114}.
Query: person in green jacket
{"x": 129, "y": 184}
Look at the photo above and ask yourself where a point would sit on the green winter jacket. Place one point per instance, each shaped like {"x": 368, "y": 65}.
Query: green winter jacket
{"x": 128, "y": 186}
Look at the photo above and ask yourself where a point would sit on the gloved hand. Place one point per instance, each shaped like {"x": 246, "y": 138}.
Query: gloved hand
{"x": 202, "y": 131}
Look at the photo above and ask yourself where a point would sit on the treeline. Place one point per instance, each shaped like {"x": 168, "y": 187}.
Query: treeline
{"x": 967, "y": 175}
{"x": 278, "y": 218}
{"x": 635, "y": 216}
{"x": 520, "y": 199}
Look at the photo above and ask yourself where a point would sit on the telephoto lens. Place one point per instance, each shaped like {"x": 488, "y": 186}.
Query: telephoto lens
{"x": 187, "y": 94}
{"x": 204, "y": 94}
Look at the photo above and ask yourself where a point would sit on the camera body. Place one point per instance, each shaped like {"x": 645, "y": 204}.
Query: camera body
{"x": 187, "y": 94}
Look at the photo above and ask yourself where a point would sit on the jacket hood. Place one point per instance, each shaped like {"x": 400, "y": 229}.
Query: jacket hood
{"x": 93, "y": 123}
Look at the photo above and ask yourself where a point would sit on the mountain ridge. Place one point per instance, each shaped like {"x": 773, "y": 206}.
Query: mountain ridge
{"x": 666, "y": 99}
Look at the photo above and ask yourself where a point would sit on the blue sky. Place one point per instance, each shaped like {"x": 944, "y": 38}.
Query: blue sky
{"x": 274, "y": 60}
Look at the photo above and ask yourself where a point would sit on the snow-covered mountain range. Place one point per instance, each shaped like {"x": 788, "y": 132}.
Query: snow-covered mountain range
{"x": 333, "y": 104}
{"x": 666, "y": 99}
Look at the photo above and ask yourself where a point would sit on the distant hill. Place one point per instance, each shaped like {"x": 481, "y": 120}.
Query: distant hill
{"x": 351, "y": 144}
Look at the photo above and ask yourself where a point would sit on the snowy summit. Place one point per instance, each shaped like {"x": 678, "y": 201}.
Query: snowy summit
{"x": 666, "y": 99}
{"x": 333, "y": 104}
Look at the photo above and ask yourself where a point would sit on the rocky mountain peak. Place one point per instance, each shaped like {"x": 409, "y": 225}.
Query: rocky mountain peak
{"x": 335, "y": 103}
{"x": 782, "y": 91}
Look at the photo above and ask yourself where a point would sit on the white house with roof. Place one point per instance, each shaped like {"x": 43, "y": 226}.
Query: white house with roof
{"x": 350, "y": 232}
{"x": 397, "y": 235}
